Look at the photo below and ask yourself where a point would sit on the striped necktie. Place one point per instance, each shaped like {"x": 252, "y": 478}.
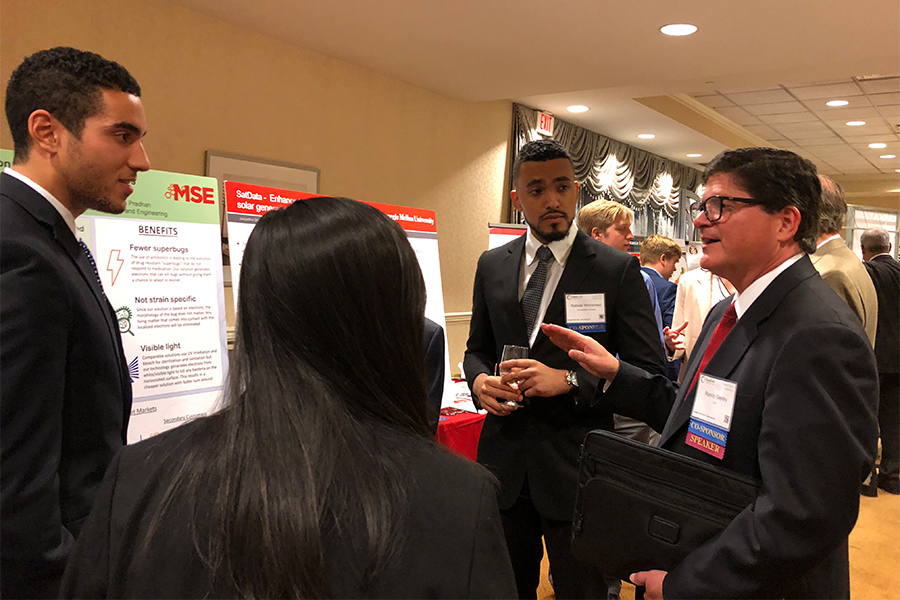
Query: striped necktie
{"x": 534, "y": 291}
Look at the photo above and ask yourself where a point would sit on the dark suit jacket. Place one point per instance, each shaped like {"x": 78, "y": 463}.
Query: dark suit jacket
{"x": 543, "y": 439}
{"x": 885, "y": 273}
{"x": 804, "y": 424}
{"x": 434, "y": 370}
{"x": 66, "y": 394}
{"x": 665, "y": 294}
{"x": 455, "y": 546}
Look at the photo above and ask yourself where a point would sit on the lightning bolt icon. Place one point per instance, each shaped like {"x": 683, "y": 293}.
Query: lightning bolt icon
{"x": 114, "y": 265}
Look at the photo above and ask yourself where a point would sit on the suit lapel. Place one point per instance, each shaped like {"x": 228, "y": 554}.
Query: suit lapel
{"x": 509, "y": 269}
{"x": 43, "y": 212}
{"x": 728, "y": 356}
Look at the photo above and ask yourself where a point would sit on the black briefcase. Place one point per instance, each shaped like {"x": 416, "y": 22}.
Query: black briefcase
{"x": 640, "y": 507}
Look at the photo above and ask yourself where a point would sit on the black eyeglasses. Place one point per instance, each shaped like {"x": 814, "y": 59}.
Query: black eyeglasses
{"x": 712, "y": 206}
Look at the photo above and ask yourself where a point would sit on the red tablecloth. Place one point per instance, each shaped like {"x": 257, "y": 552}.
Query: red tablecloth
{"x": 460, "y": 433}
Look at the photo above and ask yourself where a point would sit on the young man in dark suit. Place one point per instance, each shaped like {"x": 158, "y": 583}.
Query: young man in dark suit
{"x": 540, "y": 411}
{"x": 77, "y": 123}
{"x": 659, "y": 255}
{"x": 787, "y": 374}
{"x": 885, "y": 273}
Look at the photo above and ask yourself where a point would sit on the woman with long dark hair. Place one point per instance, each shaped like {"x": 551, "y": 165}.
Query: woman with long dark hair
{"x": 319, "y": 478}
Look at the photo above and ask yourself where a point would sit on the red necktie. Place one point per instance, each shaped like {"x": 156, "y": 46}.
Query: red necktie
{"x": 718, "y": 336}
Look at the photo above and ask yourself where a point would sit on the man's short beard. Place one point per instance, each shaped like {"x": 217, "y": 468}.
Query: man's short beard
{"x": 552, "y": 236}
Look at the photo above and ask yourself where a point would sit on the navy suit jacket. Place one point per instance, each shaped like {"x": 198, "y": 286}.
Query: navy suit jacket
{"x": 804, "y": 424}
{"x": 543, "y": 439}
{"x": 665, "y": 294}
{"x": 66, "y": 393}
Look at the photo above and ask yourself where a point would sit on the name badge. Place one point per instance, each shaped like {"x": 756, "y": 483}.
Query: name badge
{"x": 586, "y": 313}
{"x": 711, "y": 415}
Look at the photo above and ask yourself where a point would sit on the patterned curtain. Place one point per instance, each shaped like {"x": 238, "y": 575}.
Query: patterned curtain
{"x": 648, "y": 184}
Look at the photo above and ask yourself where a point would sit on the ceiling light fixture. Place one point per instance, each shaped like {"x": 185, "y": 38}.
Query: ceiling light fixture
{"x": 888, "y": 156}
{"x": 837, "y": 103}
{"x": 693, "y": 155}
{"x": 855, "y": 123}
{"x": 578, "y": 108}
{"x": 678, "y": 29}
{"x": 646, "y": 136}
{"x": 877, "y": 146}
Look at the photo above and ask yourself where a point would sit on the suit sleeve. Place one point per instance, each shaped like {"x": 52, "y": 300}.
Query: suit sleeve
{"x": 667, "y": 304}
{"x": 87, "y": 573}
{"x": 34, "y": 317}
{"x": 816, "y": 445}
{"x": 434, "y": 374}
{"x": 491, "y": 575}
{"x": 481, "y": 348}
{"x": 638, "y": 336}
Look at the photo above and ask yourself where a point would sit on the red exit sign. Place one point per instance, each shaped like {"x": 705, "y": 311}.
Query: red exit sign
{"x": 545, "y": 123}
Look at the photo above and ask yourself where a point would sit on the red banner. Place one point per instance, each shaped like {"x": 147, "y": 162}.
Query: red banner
{"x": 249, "y": 199}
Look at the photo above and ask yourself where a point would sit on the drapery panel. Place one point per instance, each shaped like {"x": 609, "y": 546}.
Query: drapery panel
{"x": 648, "y": 184}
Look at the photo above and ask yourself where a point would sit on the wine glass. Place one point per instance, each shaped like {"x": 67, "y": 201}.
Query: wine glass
{"x": 511, "y": 352}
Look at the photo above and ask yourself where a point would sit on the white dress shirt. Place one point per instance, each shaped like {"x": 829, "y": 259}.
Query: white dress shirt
{"x": 561, "y": 250}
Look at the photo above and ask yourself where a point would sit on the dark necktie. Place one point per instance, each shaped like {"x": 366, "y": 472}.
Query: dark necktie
{"x": 718, "y": 336}
{"x": 534, "y": 291}
{"x": 90, "y": 258}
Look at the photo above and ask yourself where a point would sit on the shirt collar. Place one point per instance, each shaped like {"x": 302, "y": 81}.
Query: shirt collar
{"x": 743, "y": 300}
{"x": 64, "y": 212}
{"x": 836, "y": 236}
{"x": 560, "y": 248}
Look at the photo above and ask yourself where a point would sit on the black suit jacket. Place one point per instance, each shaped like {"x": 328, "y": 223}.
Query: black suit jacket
{"x": 434, "y": 370}
{"x": 66, "y": 394}
{"x": 665, "y": 294}
{"x": 543, "y": 439}
{"x": 454, "y": 549}
{"x": 804, "y": 424}
{"x": 885, "y": 273}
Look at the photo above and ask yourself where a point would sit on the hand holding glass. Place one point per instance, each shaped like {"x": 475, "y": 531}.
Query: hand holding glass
{"x": 512, "y": 353}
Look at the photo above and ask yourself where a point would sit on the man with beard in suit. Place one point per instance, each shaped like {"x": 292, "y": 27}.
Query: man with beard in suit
{"x": 540, "y": 408}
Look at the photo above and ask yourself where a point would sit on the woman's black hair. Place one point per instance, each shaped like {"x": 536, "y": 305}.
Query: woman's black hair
{"x": 327, "y": 368}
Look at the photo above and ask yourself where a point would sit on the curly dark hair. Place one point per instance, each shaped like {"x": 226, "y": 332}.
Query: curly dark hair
{"x": 65, "y": 82}
{"x": 539, "y": 151}
{"x": 776, "y": 179}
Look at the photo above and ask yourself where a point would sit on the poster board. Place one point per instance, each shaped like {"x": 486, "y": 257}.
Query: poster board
{"x": 160, "y": 266}
{"x": 246, "y": 203}
{"x": 503, "y": 233}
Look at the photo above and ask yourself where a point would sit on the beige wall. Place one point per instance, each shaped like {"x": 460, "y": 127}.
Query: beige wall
{"x": 209, "y": 85}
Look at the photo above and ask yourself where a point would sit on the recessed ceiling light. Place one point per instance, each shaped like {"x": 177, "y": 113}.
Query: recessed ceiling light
{"x": 877, "y": 145}
{"x": 888, "y": 156}
{"x": 678, "y": 29}
{"x": 856, "y": 123}
{"x": 646, "y": 136}
{"x": 577, "y": 108}
{"x": 896, "y": 170}
{"x": 693, "y": 155}
{"x": 837, "y": 103}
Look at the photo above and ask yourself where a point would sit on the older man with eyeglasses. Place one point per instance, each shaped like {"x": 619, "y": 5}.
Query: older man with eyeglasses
{"x": 783, "y": 370}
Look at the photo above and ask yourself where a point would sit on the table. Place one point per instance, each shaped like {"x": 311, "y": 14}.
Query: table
{"x": 460, "y": 433}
